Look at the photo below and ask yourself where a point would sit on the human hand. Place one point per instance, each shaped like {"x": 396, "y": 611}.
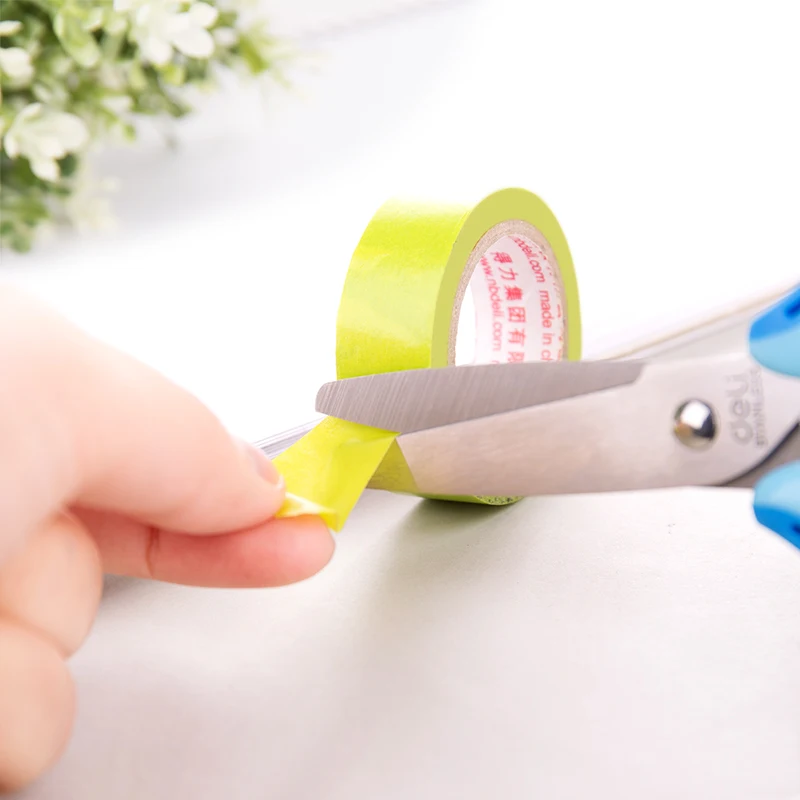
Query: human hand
{"x": 106, "y": 466}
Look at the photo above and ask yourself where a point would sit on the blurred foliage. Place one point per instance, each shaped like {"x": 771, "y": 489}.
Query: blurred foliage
{"x": 75, "y": 72}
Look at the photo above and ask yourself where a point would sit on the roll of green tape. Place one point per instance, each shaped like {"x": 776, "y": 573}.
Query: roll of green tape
{"x": 400, "y": 310}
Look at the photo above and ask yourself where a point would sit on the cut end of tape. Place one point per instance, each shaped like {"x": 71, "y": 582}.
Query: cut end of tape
{"x": 328, "y": 469}
{"x": 296, "y": 506}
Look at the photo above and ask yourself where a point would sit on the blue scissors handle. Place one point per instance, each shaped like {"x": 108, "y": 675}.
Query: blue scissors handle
{"x": 775, "y": 344}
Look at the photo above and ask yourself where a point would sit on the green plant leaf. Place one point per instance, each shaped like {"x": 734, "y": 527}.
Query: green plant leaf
{"x": 94, "y": 18}
{"x": 75, "y": 39}
{"x": 137, "y": 76}
{"x": 68, "y": 166}
{"x": 174, "y": 74}
{"x": 21, "y": 242}
{"x": 253, "y": 52}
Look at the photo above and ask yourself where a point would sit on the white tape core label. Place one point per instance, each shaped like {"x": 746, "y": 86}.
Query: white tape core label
{"x": 519, "y": 310}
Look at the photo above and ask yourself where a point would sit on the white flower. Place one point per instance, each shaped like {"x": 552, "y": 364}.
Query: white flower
{"x": 159, "y": 28}
{"x": 8, "y": 27}
{"x": 121, "y": 6}
{"x": 16, "y": 64}
{"x": 225, "y": 37}
{"x": 110, "y": 76}
{"x": 117, "y": 104}
{"x": 44, "y": 136}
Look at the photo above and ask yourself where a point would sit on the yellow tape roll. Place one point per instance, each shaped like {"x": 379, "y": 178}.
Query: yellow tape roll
{"x": 400, "y": 310}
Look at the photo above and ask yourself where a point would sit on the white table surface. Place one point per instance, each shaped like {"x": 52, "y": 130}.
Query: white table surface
{"x": 617, "y": 646}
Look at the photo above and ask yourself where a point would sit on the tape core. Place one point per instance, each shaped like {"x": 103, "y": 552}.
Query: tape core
{"x": 518, "y": 299}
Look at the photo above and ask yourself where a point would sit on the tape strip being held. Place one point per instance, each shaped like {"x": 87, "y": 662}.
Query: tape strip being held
{"x": 400, "y": 310}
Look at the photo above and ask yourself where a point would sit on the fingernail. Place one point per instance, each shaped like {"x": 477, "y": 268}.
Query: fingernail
{"x": 264, "y": 467}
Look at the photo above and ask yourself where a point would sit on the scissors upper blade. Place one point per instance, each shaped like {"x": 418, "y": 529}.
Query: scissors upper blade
{"x": 619, "y": 438}
{"x": 428, "y": 398}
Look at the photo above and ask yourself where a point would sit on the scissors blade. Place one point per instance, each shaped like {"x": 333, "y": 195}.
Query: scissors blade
{"x": 428, "y": 398}
{"x": 616, "y": 439}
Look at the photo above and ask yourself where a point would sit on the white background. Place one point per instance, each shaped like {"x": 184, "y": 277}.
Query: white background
{"x": 580, "y": 647}
{"x": 664, "y": 139}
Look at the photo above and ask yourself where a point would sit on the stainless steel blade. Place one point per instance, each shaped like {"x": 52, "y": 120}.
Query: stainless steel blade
{"x": 428, "y": 398}
{"x": 274, "y": 445}
{"x": 616, "y": 439}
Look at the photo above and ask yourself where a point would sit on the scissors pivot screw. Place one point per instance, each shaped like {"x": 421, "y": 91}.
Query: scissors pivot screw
{"x": 695, "y": 424}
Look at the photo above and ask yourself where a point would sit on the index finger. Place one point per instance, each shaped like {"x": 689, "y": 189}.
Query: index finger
{"x": 82, "y": 423}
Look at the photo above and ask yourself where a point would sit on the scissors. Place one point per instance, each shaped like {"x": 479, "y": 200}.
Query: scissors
{"x": 524, "y": 429}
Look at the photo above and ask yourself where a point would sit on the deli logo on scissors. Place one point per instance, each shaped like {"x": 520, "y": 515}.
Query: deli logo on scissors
{"x": 745, "y": 398}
